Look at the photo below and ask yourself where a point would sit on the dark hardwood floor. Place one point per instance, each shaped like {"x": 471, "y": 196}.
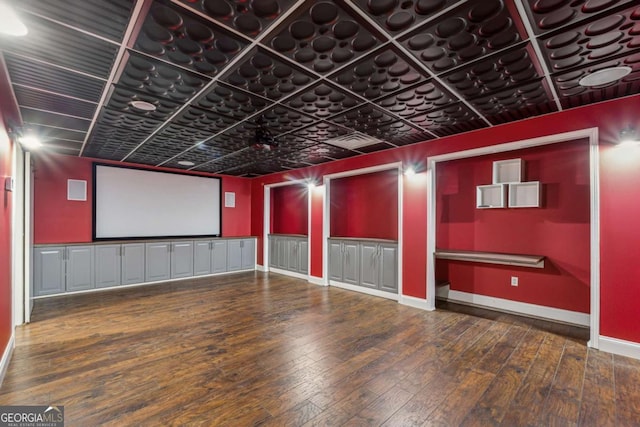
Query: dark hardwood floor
{"x": 258, "y": 349}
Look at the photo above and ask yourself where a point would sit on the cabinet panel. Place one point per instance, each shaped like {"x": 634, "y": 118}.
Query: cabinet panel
{"x": 273, "y": 252}
{"x": 219, "y": 256}
{"x": 369, "y": 264}
{"x": 181, "y": 259}
{"x": 351, "y": 263}
{"x": 335, "y": 260}
{"x": 388, "y": 260}
{"x": 304, "y": 256}
{"x": 202, "y": 258}
{"x": 292, "y": 252}
{"x": 158, "y": 261}
{"x": 48, "y": 271}
{"x": 79, "y": 268}
{"x": 133, "y": 263}
{"x": 282, "y": 248}
{"x": 108, "y": 266}
{"x": 248, "y": 254}
{"x": 234, "y": 255}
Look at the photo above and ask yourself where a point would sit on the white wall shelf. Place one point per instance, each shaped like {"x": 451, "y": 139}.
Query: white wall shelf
{"x": 524, "y": 195}
{"x": 490, "y": 196}
{"x": 508, "y": 171}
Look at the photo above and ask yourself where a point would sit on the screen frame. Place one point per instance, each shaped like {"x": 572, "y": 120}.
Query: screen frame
{"x": 139, "y": 238}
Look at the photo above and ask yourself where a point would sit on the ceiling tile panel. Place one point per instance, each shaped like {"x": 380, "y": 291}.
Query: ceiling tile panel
{"x": 48, "y": 78}
{"x": 398, "y": 133}
{"x": 190, "y": 41}
{"x": 132, "y": 122}
{"x": 112, "y": 143}
{"x": 243, "y": 157}
{"x": 204, "y": 120}
{"x": 381, "y": 73}
{"x": 53, "y": 103}
{"x": 496, "y": 73}
{"x": 292, "y": 142}
{"x": 366, "y": 119}
{"x": 322, "y": 131}
{"x": 250, "y": 18}
{"x": 593, "y": 41}
{"x": 323, "y": 101}
{"x": 228, "y": 143}
{"x": 453, "y": 119}
{"x": 48, "y": 133}
{"x": 159, "y": 79}
{"x": 56, "y": 44}
{"x": 466, "y": 33}
{"x": 30, "y": 116}
{"x": 106, "y": 18}
{"x": 551, "y": 15}
{"x": 319, "y": 153}
{"x": 120, "y": 99}
{"x": 281, "y": 119}
{"x": 202, "y": 153}
{"x": 243, "y": 132}
{"x": 398, "y": 16}
{"x": 418, "y": 99}
{"x": 323, "y": 36}
{"x": 264, "y": 74}
{"x": 231, "y": 102}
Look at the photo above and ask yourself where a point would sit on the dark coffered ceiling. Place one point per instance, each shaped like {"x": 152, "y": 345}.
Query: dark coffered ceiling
{"x": 312, "y": 72}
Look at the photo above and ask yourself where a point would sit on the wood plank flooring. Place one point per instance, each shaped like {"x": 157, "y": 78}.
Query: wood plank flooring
{"x": 259, "y": 349}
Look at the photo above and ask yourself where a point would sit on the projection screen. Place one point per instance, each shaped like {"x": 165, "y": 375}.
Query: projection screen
{"x": 136, "y": 203}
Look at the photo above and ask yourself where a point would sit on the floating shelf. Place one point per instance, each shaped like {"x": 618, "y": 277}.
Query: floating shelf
{"x": 524, "y": 195}
{"x": 490, "y": 196}
{"x": 508, "y": 171}
{"x": 533, "y": 261}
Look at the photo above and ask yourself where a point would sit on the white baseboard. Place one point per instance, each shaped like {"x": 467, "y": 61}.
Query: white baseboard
{"x": 289, "y": 273}
{"x": 6, "y": 356}
{"x": 260, "y": 268}
{"x": 423, "y": 304}
{"x": 620, "y": 347}
{"x": 443, "y": 291}
{"x": 533, "y": 310}
{"x": 363, "y": 290}
{"x": 316, "y": 280}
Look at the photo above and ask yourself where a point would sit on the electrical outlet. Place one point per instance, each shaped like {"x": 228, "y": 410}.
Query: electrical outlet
{"x": 514, "y": 280}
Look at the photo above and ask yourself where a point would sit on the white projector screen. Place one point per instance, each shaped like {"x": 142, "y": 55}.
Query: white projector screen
{"x": 136, "y": 203}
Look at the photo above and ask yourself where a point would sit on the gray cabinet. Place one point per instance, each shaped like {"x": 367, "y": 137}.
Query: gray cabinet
{"x": 202, "y": 258}
{"x": 157, "y": 261}
{"x": 79, "y": 268}
{"x": 181, "y": 259}
{"x": 240, "y": 254}
{"x": 49, "y": 270}
{"x": 108, "y": 266}
{"x": 219, "y": 256}
{"x": 289, "y": 252}
{"x": 133, "y": 263}
{"x": 367, "y": 263}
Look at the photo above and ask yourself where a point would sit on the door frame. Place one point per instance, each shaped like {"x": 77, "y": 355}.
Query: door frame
{"x": 591, "y": 134}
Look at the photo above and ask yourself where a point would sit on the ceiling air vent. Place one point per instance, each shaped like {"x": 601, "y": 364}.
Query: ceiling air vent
{"x": 353, "y": 141}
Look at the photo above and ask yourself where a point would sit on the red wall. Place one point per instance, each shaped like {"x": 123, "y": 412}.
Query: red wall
{"x": 290, "y": 209}
{"x": 559, "y": 230}
{"x": 365, "y": 205}
{"x": 5, "y": 240}
{"x": 58, "y": 220}
{"x": 619, "y": 213}
{"x": 316, "y": 228}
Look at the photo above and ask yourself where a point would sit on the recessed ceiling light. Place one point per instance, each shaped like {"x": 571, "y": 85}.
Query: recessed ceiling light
{"x": 10, "y": 23}
{"x": 143, "y": 105}
{"x": 603, "y": 77}
{"x": 30, "y": 142}
{"x": 185, "y": 163}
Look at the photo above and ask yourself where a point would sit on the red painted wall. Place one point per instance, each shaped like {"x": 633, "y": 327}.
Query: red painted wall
{"x": 58, "y": 220}
{"x": 6, "y": 204}
{"x": 414, "y": 235}
{"x": 559, "y": 230}
{"x": 620, "y": 275}
{"x": 290, "y": 209}
{"x": 365, "y": 205}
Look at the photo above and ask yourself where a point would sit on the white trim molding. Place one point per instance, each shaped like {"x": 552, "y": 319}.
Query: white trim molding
{"x": 363, "y": 290}
{"x": 317, "y": 280}
{"x": 289, "y": 273}
{"x": 6, "y": 356}
{"x": 414, "y": 302}
{"x": 620, "y": 347}
{"x": 261, "y": 268}
{"x": 517, "y": 307}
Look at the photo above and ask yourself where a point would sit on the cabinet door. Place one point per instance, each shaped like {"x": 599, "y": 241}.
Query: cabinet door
{"x": 248, "y": 254}
{"x": 335, "y": 260}
{"x": 303, "y": 256}
{"x": 202, "y": 257}
{"x": 133, "y": 263}
{"x": 388, "y": 261}
{"x": 181, "y": 259}
{"x": 108, "y": 265}
{"x": 234, "y": 255}
{"x": 369, "y": 264}
{"x": 157, "y": 261}
{"x": 48, "y": 271}
{"x": 273, "y": 253}
{"x": 219, "y": 256}
{"x": 351, "y": 263}
{"x": 283, "y": 253}
{"x": 293, "y": 255}
{"x": 79, "y": 268}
